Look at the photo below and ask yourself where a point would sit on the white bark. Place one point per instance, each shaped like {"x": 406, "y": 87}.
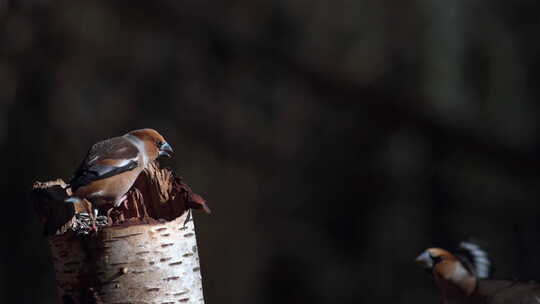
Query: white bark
{"x": 147, "y": 263}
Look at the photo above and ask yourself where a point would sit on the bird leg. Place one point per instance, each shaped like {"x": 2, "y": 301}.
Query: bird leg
{"x": 93, "y": 217}
{"x": 113, "y": 212}
{"x": 120, "y": 201}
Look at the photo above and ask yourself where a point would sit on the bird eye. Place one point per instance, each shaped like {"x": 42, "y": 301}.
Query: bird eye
{"x": 159, "y": 143}
{"x": 436, "y": 259}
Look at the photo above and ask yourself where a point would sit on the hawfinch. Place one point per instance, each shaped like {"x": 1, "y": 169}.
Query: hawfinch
{"x": 112, "y": 166}
{"x": 462, "y": 280}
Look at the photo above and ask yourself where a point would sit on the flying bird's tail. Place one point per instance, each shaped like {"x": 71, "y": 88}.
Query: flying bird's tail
{"x": 478, "y": 258}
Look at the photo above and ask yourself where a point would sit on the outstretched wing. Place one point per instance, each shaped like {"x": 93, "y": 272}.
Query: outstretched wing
{"x": 475, "y": 259}
{"x": 105, "y": 159}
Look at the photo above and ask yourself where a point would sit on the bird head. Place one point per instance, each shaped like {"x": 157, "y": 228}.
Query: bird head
{"x": 447, "y": 268}
{"x": 432, "y": 258}
{"x": 154, "y": 143}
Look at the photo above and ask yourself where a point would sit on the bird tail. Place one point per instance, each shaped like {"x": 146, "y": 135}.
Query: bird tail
{"x": 479, "y": 259}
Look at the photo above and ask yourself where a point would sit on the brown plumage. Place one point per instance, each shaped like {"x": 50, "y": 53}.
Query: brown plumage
{"x": 459, "y": 284}
{"x": 111, "y": 166}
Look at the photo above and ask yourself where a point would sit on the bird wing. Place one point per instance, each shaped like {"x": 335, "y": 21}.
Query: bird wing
{"x": 474, "y": 258}
{"x": 105, "y": 159}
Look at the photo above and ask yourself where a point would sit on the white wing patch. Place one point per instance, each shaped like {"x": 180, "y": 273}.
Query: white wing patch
{"x": 125, "y": 162}
{"x": 480, "y": 259}
{"x": 97, "y": 193}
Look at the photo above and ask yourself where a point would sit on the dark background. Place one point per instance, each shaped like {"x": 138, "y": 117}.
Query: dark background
{"x": 333, "y": 140}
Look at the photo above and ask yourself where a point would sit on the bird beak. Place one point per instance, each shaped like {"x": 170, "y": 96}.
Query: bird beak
{"x": 424, "y": 260}
{"x": 165, "y": 150}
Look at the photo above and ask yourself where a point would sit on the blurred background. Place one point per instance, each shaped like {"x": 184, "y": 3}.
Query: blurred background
{"x": 333, "y": 140}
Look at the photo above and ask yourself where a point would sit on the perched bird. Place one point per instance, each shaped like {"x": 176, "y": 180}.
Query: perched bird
{"x": 462, "y": 280}
{"x": 112, "y": 166}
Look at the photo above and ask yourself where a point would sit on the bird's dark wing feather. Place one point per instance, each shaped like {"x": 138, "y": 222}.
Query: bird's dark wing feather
{"x": 105, "y": 159}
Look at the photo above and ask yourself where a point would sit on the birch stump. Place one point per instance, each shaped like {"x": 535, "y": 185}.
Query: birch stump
{"x": 145, "y": 251}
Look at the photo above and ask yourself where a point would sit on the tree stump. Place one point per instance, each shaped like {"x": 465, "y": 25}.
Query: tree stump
{"x": 145, "y": 252}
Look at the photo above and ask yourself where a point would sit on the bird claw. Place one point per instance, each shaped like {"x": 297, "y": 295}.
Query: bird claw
{"x": 93, "y": 229}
